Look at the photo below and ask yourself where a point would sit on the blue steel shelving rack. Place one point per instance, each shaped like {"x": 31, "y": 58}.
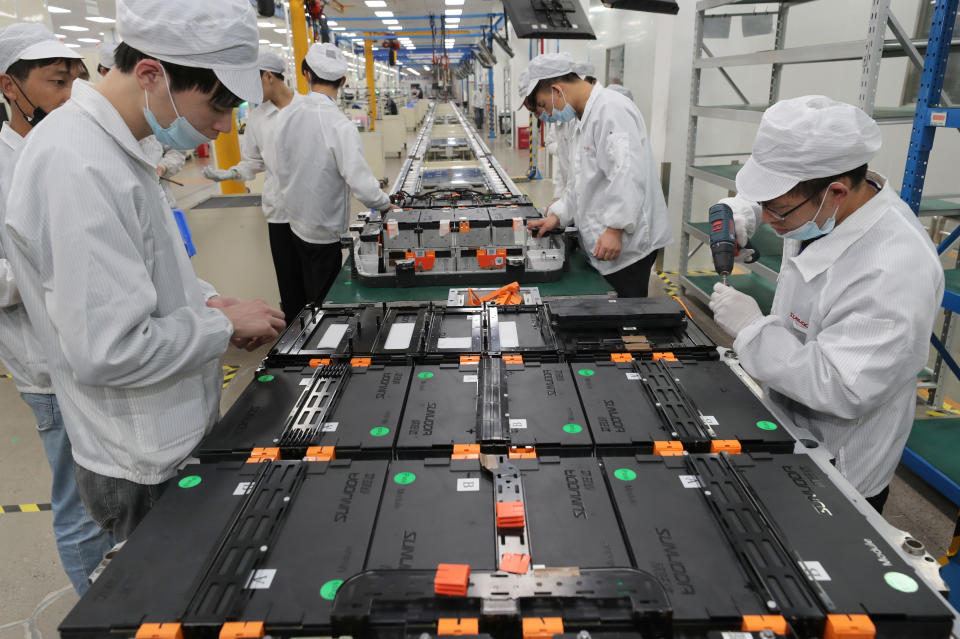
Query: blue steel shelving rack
{"x": 929, "y": 117}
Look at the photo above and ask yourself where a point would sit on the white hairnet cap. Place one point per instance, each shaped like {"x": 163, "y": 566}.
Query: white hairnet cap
{"x": 271, "y": 62}
{"x": 584, "y": 69}
{"x": 106, "y": 50}
{"x": 30, "y": 41}
{"x": 549, "y": 65}
{"x": 622, "y": 90}
{"x": 326, "y": 61}
{"x": 805, "y": 139}
{"x": 221, "y": 36}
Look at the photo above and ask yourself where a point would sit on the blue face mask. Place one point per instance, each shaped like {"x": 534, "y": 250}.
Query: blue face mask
{"x": 810, "y": 230}
{"x": 566, "y": 114}
{"x": 180, "y": 134}
{"x": 549, "y": 119}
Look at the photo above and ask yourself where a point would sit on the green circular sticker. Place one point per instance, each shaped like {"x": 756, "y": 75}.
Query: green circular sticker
{"x": 404, "y": 478}
{"x": 624, "y": 474}
{"x": 379, "y": 431}
{"x": 425, "y": 375}
{"x": 901, "y": 582}
{"x": 190, "y": 481}
{"x": 586, "y": 372}
{"x": 573, "y": 429}
{"x": 265, "y": 378}
{"x": 766, "y": 426}
{"x": 329, "y": 590}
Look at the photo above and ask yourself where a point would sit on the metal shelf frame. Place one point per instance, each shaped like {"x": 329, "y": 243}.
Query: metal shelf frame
{"x": 871, "y": 51}
{"x": 930, "y": 116}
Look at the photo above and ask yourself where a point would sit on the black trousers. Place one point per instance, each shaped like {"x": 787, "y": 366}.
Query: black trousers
{"x": 286, "y": 263}
{"x": 633, "y": 280}
{"x": 878, "y": 500}
{"x": 116, "y": 504}
{"x": 478, "y": 117}
{"x": 320, "y": 264}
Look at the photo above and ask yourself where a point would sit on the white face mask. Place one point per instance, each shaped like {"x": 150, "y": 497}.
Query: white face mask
{"x": 809, "y": 230}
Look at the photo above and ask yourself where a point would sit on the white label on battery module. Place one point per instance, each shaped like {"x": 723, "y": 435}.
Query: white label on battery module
{"x": 329, "y": 427}
{"x": 519, "y": 231}
{"x": 260, "y": 579}
{"x": 709, "y": 420}
{"x": 333, "y": 336}
{"x": 467, "y": 379}
{"x": 736, "y": 635}
{"x": 633, "y": 376}
{"x": 399, "y": 336}
{"x": 454, "y": 343}
{"x": 508, "y": 335}
{"x": 243, "y": 488}
{"x": 444, "y": 227}
{"x": 815, "y": 570}
{"x": 690, "y": 481}
{"x": 468, "y": 485}
{"x": 518, "y": 424}
{"x": 392, "y": 228}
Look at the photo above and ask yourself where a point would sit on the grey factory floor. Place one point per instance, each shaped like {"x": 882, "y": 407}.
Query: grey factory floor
{"x": 233, "y": 254}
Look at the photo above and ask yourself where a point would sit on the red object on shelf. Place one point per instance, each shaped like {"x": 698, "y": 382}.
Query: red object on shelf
{"x": 523, "y": 137}
{"x": 203, "y": 151}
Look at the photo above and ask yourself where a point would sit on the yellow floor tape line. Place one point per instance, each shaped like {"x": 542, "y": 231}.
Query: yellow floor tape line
{"x": 229, "y": 372}
{"x": 24, "y": 508}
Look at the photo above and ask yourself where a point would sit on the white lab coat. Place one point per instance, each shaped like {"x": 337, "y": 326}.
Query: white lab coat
{"x": 20, "y": 351}
{"x": 557, "y": 138}
{"x": 133, "y": 351}
{"x": 321, "y": 162}
{"x": 167, "y": 156}
{"x": 848, "y": 332}
{"x": 258, "y": 147}
{"x": 478, "y": 99}
{"x": 613, "y": 182}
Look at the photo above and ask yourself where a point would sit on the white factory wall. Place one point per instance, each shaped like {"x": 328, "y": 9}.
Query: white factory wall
{"x": 657, "y": 69}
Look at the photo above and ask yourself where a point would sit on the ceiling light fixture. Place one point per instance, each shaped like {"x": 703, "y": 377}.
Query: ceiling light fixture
{"x": 53, "y": 9}
{"x": 90, "y": 40}
{"x": 383, "y": 14}
{"x": 390, "y": 21}
{"x": 72, "y": 46}
{"x": 375, "y": 3}
{"x": 452, "y": 12}
{"x": 275, "y": 44}
{"x": 338, "y": 29}
{"x": 264, "y": 42}
{"x": 101, "y": 19}
{"x": 71, "y": 27}
{"x": 265, "y": 25}
{"x": 395, "y": 27}
{"x": 331, "y": 23}
{"x": 280, "y": 30}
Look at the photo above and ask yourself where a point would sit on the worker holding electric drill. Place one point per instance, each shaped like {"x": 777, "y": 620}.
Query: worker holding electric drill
{"x": 859, "y": 287}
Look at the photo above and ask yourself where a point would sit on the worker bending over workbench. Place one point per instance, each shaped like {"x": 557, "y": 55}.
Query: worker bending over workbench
{"x": 613, "y": 193}
{"x": 859, "y": 288}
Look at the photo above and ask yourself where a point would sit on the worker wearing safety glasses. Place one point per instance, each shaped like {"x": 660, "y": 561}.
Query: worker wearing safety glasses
{"x": 859, "y": 287}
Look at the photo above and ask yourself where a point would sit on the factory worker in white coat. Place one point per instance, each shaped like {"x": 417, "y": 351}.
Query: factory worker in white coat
{"x": 35, "y": 74}
{"x": 557, "y": 138}
{"x": 321, "y": 164}
{"x": 613, "y": 193}
{"x": 132, "y": 338}
{"x": 258, "y": 150}
{"x": 858, "y": 291}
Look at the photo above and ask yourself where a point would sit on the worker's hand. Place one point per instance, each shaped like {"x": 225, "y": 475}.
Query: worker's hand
{"x": 608, "y": 246}
{"x": 254, "y": 320}
{"x": 744, "y": 256}
{"x": 732, "y": 310}
{"x": 545, "y": 224}
{"x": 221, "y": 301}
{"x": 161, "y": 170}
{"x": 219, "y": 175}
{"x": 392, "y": 207}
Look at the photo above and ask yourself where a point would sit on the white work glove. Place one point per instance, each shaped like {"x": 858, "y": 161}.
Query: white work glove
{"x": 745, "y": 217}
{"x": 732, "y": 310}
{"x": 219, "y": 175}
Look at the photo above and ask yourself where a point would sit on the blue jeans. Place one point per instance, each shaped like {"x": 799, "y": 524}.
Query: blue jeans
{"x": 80, "y": 542}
